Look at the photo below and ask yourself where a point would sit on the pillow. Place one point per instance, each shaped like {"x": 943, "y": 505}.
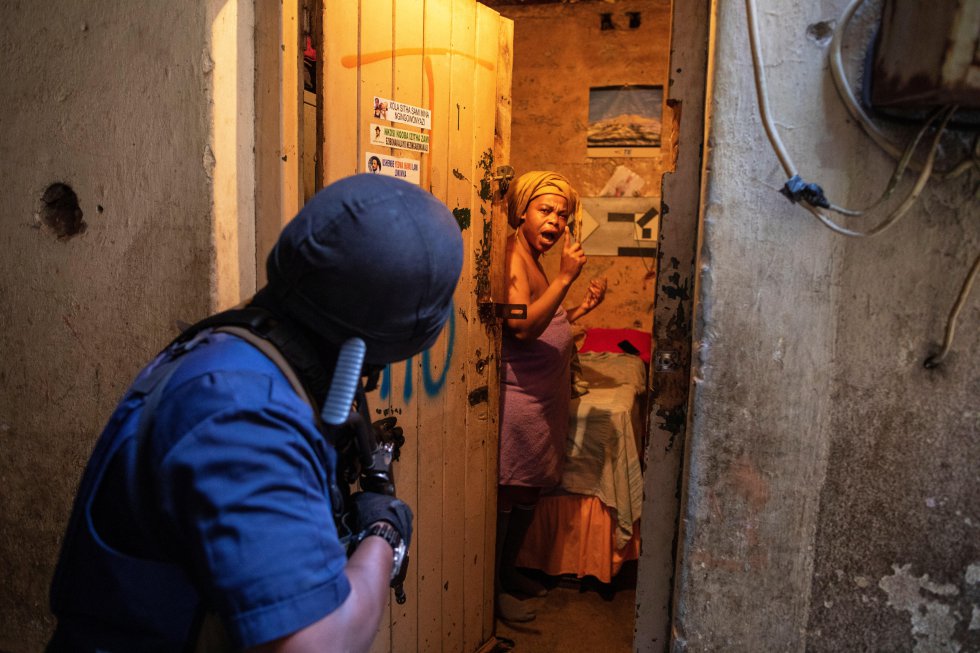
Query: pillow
{"x": 608, "y": 340}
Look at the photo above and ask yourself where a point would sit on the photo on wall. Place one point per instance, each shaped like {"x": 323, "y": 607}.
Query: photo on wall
{"x": 625, "y": 121}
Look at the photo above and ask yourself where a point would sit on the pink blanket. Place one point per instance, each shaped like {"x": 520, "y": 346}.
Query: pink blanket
{"x": 534, "y": 404}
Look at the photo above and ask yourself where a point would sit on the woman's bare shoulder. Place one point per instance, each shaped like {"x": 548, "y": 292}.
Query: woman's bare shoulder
{"x": 513, "y": 253}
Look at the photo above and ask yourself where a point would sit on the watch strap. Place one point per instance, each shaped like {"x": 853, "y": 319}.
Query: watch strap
{"x": 390, "y": 535}
{"x": 383, "y": 530}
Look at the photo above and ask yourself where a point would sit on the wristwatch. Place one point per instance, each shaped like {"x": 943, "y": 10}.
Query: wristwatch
{"x": 390, "y": 535}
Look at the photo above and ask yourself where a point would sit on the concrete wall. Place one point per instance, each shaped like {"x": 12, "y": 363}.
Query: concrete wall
{"x": 111, "y": 99}
{"x": 832, "y": 494}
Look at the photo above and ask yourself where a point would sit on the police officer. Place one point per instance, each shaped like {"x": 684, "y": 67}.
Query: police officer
{"x": 210, "y": 497}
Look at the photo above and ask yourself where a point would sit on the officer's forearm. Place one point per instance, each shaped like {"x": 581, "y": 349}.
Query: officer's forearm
{"x": 353, "y": 625}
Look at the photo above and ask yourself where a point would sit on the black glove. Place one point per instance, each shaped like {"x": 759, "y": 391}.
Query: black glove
{"x": 370, "y": 507}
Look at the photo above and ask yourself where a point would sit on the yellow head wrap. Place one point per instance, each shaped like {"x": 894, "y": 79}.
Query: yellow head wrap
{"x": 541, "y": 182}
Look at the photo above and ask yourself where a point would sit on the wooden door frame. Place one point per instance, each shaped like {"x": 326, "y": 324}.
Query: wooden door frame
{"x": 278, "y": 123}
{"x": 674, "y": 314}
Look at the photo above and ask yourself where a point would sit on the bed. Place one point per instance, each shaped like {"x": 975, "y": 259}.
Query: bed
{"x": 590, "y": 525}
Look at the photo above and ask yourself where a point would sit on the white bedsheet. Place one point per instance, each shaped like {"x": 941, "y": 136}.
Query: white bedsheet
{"x": 601, "y": 456}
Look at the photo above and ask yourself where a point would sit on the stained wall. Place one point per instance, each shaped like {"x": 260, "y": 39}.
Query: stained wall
{"x": 832, "y": 491}
{"x": 112, "y": 99}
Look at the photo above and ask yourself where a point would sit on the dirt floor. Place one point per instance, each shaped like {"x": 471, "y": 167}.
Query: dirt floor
{"x": 578, "y": 616}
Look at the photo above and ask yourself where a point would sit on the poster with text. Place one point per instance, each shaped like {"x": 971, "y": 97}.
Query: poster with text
{"x": 393, "y": 166}
{"x": 406, "y": 114}
{"x": 402, "y": 139}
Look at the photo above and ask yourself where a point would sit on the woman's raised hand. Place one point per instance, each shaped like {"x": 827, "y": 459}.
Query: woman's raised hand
{"x": 572, "y": 258}
{"x": 595, "y": 293}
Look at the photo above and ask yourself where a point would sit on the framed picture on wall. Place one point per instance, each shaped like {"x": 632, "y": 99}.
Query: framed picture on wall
{"x": 625, "y": 121}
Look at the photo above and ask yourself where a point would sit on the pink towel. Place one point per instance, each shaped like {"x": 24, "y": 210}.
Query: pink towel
{"x": 534, "y": 405}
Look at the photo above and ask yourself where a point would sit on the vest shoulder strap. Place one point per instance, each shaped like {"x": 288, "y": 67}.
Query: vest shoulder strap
{"x": 272, "y": 353}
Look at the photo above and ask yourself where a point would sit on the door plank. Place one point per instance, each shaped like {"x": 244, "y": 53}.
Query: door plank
{"x": 340, "y": 76}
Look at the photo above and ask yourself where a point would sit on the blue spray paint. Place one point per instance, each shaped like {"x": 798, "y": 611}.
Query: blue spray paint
{"x": 432, "y": 386}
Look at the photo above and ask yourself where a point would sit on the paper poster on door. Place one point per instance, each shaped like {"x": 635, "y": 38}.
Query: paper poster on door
{"x": 406, "y": 114}
{"x": 392, "y": 166}
{"x": 402, "y": 139}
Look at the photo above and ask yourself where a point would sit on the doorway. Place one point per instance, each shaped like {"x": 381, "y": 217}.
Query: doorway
{"x": 567, "y": 57}
{"x": 450, "y": 603}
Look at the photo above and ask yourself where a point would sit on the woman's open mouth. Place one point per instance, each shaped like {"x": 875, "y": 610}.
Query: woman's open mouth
{"x": 550, "y": 237}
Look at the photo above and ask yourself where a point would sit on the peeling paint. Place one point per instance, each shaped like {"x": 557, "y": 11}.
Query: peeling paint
{"x": 481, "y": 275}
{"x": 462, "y": 216}
{"x": 673, "y": 423}
{"x": 60, "y": 212}
{"x": 677, "y": 325}
{"x": 675, "y": 289}
{"x": 207, "y": 63}
{"x": 932, "y": 621}
{"x": 208, "y": 162}
{"x": 486, "y": 185}
{"x": 972, "y": 575}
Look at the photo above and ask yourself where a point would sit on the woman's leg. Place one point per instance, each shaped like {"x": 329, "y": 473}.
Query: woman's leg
{"x": 515, "y": 510}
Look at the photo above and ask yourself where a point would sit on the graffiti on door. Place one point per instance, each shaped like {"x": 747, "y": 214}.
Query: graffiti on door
{"x": 432, "y": 383}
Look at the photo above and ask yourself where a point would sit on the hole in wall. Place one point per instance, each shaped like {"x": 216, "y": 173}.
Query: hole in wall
{"x": 60, "y": 211}
{"x": 605, "y": 22}
{"x": 634, "y": 19}
{"x": 821, "y": 32}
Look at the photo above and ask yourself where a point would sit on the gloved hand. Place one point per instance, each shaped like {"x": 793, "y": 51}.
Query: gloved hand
{"x": 370, "y": 507}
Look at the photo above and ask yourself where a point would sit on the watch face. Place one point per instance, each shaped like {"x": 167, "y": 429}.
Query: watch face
{"x": 390, "y": 535}
{"x": 396, "y": 566}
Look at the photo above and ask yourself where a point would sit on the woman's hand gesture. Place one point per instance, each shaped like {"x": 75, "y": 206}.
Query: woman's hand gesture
{"x": 594, "y": 295}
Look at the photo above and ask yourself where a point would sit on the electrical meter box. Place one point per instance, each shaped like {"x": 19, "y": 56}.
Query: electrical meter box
{"x": 927, "y": 54}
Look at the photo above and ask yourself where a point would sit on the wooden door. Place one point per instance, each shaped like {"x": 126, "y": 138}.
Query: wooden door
{"x": 447, "y": 63}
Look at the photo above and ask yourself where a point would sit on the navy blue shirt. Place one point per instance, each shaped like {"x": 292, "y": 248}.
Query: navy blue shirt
{"x": 223, "y": 507}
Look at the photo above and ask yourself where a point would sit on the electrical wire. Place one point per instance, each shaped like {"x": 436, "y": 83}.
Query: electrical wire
{"x": 904, "y": 156}
{"x": 858, "y": 113}
{"x": 790, "y": 168}
{"x": 844, "y": 89}
{"x": 900, "y": 169}
{"x": 761, "y": 90}
{"x": 954, "y": 313}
